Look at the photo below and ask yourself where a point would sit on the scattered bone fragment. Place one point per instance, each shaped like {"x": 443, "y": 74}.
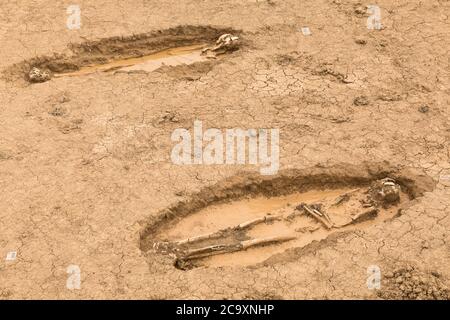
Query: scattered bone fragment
{"x": 344, "y": 197}
{"x": 37, "y": 75}
{"x": 367, "y": 204}
{"x": 341, "y": 199}
{"x": 226, "y": 42}
{"x": 253, "y": 222}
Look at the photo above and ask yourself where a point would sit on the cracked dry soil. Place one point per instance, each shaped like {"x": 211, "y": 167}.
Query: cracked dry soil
{"x": 86, "y": 176}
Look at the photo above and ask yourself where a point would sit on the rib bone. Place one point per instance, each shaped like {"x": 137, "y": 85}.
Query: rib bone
{"x": 315, "y": 214}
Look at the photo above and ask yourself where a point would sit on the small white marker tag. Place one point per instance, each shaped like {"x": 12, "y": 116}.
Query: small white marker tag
{"x": 306, "y": 31}
{"x": 11, "y": 256}
{"x": 445, "y": 180}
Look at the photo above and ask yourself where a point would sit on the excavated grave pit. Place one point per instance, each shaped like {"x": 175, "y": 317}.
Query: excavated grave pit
{"x": 171, "y": 57}
{"x": 247, "y": 220}
{"x": 183, "y": 45}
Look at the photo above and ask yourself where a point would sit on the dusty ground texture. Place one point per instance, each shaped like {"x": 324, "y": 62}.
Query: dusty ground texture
{"x": 85, "y": 161}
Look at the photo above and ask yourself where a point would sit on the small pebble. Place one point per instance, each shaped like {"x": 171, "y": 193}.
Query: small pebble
{"x": 424, "y": 109}
{"x": 361, "y": 101}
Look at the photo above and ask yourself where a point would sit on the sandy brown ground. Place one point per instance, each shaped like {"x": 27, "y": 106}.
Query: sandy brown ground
{"x": 75, "y": 187}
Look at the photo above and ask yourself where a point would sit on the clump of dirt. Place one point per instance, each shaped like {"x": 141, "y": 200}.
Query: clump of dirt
{"x": 58, "y": 111}
{"x": 424, "y": 109}
{"x": 361, "y": 41}
{"x": 4, "y": 155}
{"x": 360, "y": 10}
{"x": 293, "y": 58}
{"x": 409, "y": 283}
{"x": 250, "y": 221}
{"x": 5, "y": 293}
{"x": 260, "y": 295}
{"x": 361, "y": 101}
{"x": 104, "y": 51}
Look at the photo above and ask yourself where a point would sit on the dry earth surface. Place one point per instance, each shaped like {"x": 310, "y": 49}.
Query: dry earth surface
{"x": 86, "y": 177}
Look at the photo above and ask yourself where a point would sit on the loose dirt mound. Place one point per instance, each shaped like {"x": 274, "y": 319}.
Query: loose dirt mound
{"x": 409, "y": 283}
